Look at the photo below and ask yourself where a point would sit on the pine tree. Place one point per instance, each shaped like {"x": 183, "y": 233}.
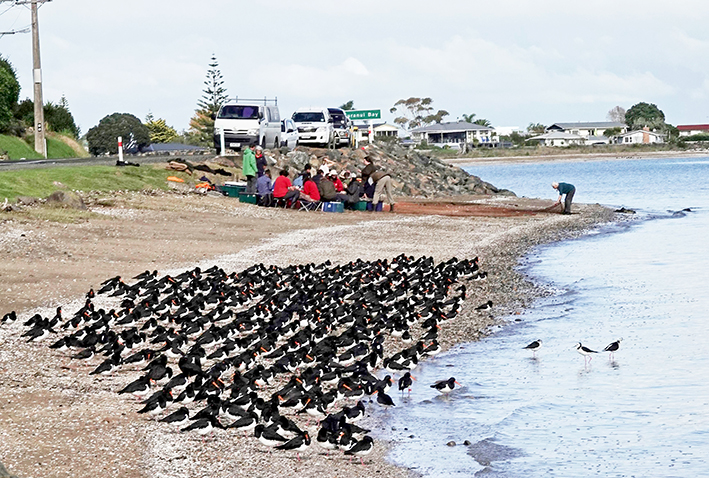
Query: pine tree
{"x": 159, "y": 130}
{"x": 214, "y": 95}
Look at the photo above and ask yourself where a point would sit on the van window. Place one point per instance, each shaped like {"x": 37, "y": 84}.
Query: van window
{"x": 309, "y": 117}
{"x": 238, "y": 112}
{"x": 274, "y": 115}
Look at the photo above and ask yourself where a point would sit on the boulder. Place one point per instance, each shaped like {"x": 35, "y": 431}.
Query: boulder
{"x": 4, "y": 473}
{"x": 27, "y": 200}
{"x": 68, "y": 199}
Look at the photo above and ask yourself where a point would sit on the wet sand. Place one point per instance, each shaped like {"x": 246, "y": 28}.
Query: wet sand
{"x": 56, "y": 421}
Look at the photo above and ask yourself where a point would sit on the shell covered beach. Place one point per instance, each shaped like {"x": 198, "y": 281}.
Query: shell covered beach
{"x": 58, "y": 421}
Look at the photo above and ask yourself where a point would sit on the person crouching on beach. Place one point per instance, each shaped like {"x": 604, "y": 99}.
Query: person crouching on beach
{"x": 568, "y": 190}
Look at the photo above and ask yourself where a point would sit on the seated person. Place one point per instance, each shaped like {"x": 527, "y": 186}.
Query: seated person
{"x": 310, "y": 189}
{"x": 352, "y": 194}
{"x": 318, "y": 177}
{"x": 284, "y": 189}
{"x": 339, "y": 187}
{"x": 298, "y": 182}
{"x": 327, "y": 189}
{"x": 264, "y": 189}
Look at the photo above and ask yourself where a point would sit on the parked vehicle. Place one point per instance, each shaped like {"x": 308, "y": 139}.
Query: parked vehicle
{"x": 341, "y": 124}
{"x": 289, "y": 134}
{"x": 246, "y": 122}
{"x": 313, "y": 126}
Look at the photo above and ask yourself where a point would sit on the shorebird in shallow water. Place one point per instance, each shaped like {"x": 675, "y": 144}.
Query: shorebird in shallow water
{"x": 534, "y": 346}
{"x": 585, "y": 351}
{"x": 612, "y": 348}
{"x": 446, "y": 386}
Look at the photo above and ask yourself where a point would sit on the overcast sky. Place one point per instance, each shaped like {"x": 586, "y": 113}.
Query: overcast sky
{"x": 510, "y": 61}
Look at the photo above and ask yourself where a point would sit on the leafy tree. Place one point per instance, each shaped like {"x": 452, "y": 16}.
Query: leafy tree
{"x": 610, "y": 132}
{"x": 159, "y": 130}
{"x": 617, "y": 114}
{"x": 468, "y": 118}
{"x": 9, "y": 93}
{"x": 645, "y": 114}
{"x": 214, "y": 95}
{"x": 517, "y": 138}
{"x": 417, "y": 112}
{"x": 349, "y": 106}
{"x": 57, "y": 116}
{"x": 536, "y": 128}
{"x": 103, "y": 138}
{"x": 483, "y": 122}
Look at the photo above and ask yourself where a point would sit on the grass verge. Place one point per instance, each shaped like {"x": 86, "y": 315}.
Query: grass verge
{"x": 41, "y": 182}
{"x": 58, "y": 146}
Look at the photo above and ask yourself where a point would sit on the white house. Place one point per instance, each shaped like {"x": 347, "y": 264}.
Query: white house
{"x": 692, "y": 129}
{"x": 460, "y": 132}
{"x": 640, "y": 136}
{"x": 558, "y": 138}
{"x": 379, "y": 130}
{"x": 586, "y": 129}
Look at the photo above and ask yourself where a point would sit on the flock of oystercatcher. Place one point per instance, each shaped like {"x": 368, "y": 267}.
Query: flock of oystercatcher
{"x": 260, "y": 350}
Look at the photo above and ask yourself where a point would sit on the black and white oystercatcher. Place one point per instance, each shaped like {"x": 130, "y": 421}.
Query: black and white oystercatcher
{"x": 446, "y": 386}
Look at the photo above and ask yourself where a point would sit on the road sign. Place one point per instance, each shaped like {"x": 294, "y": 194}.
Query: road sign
{"x": 364, "y": 114}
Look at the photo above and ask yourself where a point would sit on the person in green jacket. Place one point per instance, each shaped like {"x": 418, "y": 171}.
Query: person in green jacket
{"x": 569, "y": 190}
{"x": 248, "y": 167}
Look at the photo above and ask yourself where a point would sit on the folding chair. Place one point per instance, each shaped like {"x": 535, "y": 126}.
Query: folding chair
{"x": 310, "y": 205}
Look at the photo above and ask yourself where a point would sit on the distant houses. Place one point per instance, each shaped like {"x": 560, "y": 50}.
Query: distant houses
{"x": 594, "y": 133}
{"x": 641, "y": 136}
{"x": 456, "y": 133}
{"x": 692, "y": 129}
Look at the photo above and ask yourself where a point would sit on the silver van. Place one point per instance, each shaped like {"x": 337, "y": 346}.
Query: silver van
{"x": 244, "y": 122}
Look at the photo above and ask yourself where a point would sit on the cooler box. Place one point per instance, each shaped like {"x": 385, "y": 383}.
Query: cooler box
{"x": 361, "y": 206}
{"x": 333, "y": 207}
{"x": 232, "y": 191}
{"x": 247, "y": 198}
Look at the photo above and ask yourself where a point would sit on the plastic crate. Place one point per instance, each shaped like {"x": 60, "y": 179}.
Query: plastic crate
{"x": 247, "y": 198}
{"x": 333, "y": 207}
{"x": 232, "y": 191}
{"x": 361, "y": 206}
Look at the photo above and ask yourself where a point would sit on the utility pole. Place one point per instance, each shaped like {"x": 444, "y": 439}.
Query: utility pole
{"x": 40, "y": 145}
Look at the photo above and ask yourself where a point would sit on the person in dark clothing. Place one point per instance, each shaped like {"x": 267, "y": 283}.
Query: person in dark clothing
{"x": 352, "y": 194}
{"x": 368, "y": 169}
{"x": 327, "y": 189}
{"x": 565, "y": 189}
{"x": 261, "y": 162}
{"x": 318, "y": 177}
{"x": 264, "y": 190}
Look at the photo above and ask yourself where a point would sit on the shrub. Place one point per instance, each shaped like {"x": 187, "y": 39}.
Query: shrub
{"x": 103, "y": 138}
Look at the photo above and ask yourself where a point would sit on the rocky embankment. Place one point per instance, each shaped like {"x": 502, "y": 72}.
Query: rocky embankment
{"x": 414, "y": 173}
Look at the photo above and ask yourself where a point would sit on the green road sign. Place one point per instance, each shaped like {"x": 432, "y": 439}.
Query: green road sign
{"x": 364, "y": 114}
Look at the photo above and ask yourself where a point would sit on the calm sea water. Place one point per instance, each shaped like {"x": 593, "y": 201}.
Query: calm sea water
{"x": 646, "y": 412}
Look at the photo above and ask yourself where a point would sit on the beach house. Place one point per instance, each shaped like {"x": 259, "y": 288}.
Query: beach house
{"x": 456, "y": 133}
{"x": 692, "y": 129}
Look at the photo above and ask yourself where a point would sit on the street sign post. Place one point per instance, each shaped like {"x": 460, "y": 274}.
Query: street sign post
{"x": 364, "y": 114}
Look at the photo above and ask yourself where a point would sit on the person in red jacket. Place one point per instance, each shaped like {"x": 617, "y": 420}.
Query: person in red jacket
{"x": 284, "y": 189}
{"x": 310, "y": 189}
{"x": 339, "y": 187}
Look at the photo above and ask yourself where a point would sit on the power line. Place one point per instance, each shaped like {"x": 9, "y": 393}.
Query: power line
{"x": 13, "y": 32}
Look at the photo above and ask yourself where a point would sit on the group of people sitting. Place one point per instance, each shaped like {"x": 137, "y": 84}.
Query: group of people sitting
{"x": 313, "y": 187}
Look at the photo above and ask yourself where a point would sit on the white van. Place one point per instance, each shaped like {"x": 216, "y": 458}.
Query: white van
{"x": 246, "y": 122}
{"x": 314, "y": 126}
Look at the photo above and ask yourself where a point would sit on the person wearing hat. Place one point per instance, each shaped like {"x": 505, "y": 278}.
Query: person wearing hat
{"x": 352, "y": 194}
{"x": 327, "y": 188}
{"x": 565, "y": 189}
{"x": 339, "y": 187}
{"x": 248, "y": 168}
{"x": 261, "y": 162}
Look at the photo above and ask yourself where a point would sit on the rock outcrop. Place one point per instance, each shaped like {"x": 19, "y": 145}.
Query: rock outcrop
{"x": 414, "y": 173}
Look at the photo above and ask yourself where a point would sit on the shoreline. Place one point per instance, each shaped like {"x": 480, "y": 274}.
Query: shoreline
{"x": 143, "y": 448}
{"x": 573, "y": 157}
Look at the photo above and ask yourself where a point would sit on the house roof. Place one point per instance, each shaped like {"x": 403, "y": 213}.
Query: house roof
{"x": 693, "y": 127}
{"x": 451, "y": 127}
{"x": 641, "y": 131}
{"x": 556, "y": 135}
{"x": 585, "y": 125}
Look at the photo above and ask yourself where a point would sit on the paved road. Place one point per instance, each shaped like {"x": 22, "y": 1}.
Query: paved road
{"x": 102, "y": 161}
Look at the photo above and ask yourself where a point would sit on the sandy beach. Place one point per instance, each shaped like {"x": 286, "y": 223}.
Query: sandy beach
{"x": 57, "y": 421}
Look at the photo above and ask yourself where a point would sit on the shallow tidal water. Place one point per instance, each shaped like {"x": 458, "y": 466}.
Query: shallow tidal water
{"x": 643, "y": 412}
